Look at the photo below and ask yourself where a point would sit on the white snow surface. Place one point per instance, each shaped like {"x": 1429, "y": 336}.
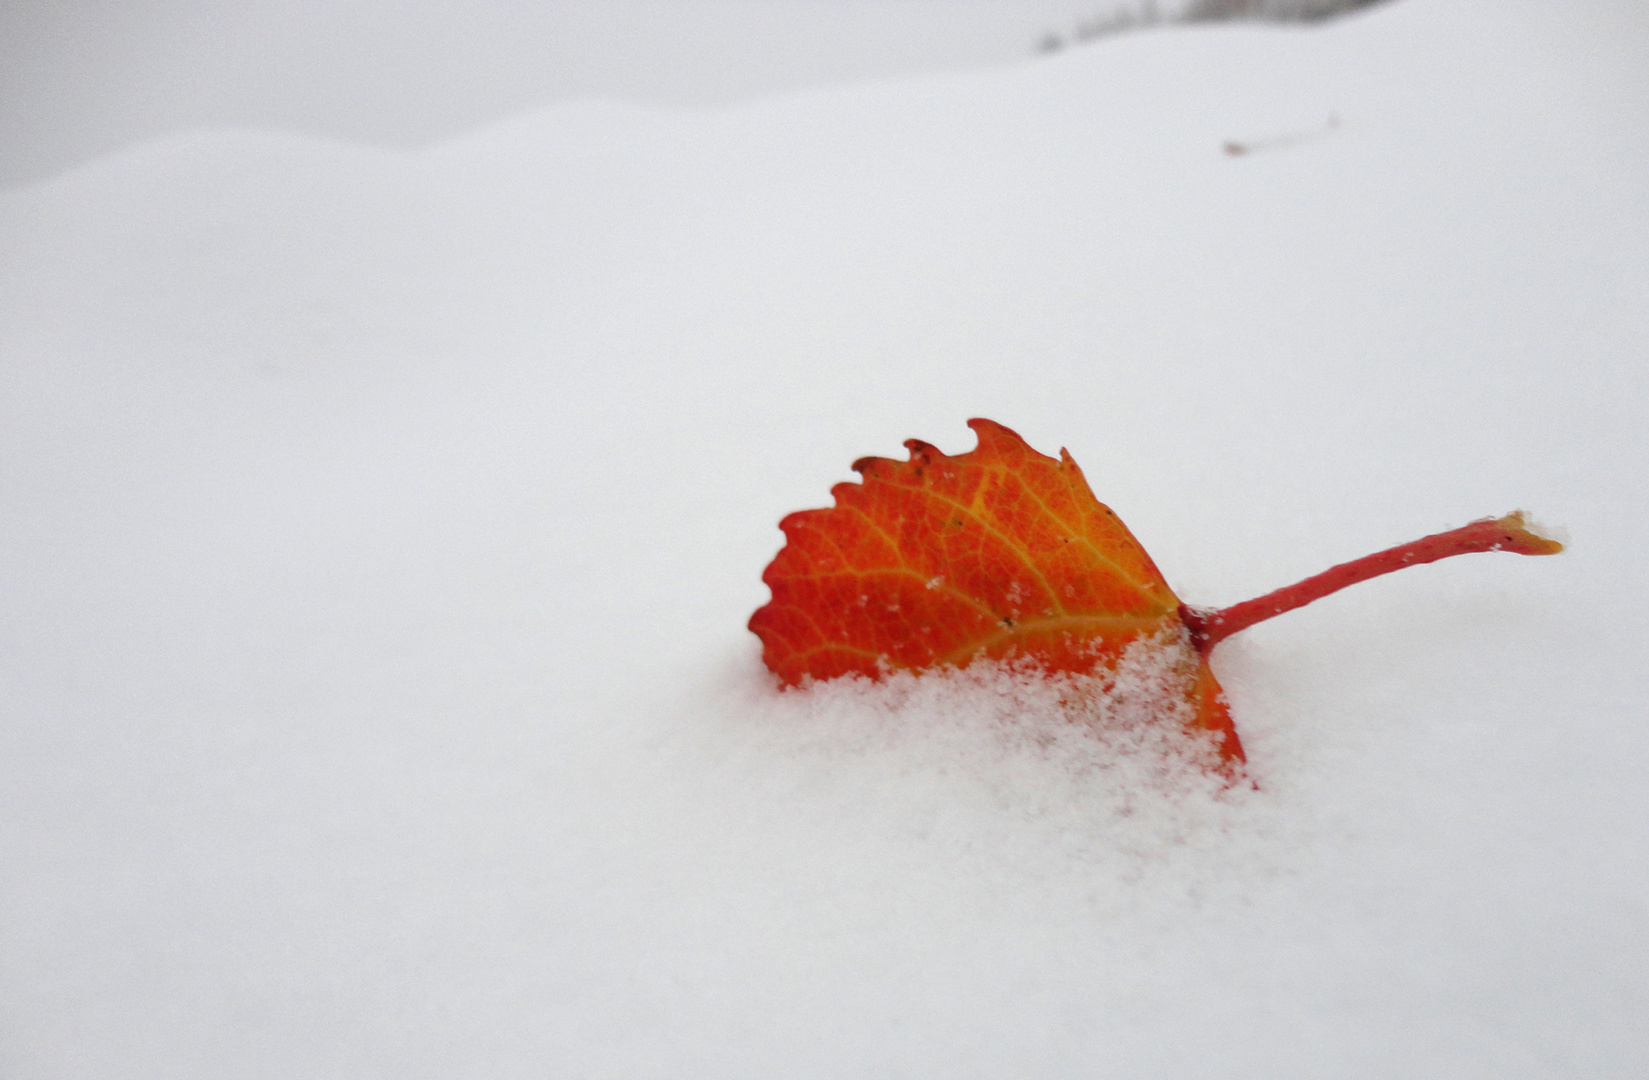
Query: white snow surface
{"x": 378, "y": 530}
{"x": 82, "y": 79}
{"x": 78, "y": 80}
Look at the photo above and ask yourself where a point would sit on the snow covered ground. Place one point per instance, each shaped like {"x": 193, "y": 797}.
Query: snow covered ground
{"x": 81, "y": 80}
{"x": 377, "y": 532}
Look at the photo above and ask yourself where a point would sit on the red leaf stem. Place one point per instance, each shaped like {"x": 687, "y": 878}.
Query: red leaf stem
{"x": 1509, "y": 533}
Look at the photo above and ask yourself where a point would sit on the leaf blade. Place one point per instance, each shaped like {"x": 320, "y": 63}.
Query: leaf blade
{"x": 1000, "y": 553}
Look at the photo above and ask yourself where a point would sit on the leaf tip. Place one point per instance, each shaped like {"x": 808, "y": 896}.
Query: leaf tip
{"x": 991, "y": 433}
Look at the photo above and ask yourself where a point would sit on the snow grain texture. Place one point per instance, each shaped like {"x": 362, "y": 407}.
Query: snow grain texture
{"x": 378, "y": 532}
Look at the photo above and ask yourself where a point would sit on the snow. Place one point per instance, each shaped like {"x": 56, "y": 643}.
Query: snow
{"x": 379, "y": 529}
{"x": 81, "y": 80}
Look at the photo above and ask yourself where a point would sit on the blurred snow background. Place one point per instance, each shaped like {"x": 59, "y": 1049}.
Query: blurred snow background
{"x": 378, "y": 527}
{"x": 83, "y": 78}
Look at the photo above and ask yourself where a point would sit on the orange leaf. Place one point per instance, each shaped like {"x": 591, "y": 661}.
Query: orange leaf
{"x": 1001, "y": 553}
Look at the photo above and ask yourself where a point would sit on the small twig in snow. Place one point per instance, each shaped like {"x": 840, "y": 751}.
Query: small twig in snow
{"x": 1279, "y": 142}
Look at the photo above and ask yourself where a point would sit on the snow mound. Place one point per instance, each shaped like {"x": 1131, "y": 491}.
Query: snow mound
{"x": 378, "y": 532}
{"x": 1103, "y": 761}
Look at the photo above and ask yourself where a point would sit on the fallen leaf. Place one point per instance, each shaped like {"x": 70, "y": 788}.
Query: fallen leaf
{"x": 1001, "y": 553}
{"x": 1004, "y": 554}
